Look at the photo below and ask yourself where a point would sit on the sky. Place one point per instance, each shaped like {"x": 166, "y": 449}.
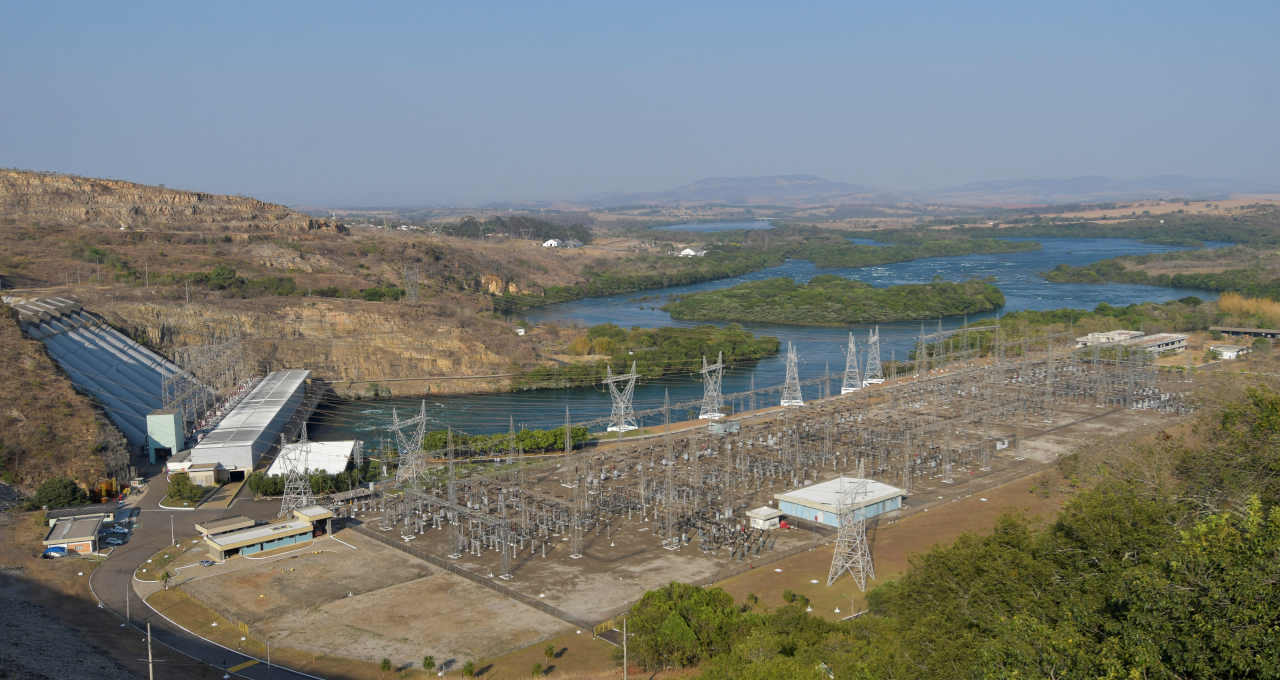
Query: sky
{"x": 427, "y": 102}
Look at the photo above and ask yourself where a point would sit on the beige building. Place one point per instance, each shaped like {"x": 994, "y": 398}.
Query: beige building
{"x": 1160, "y": 343}
{"x": 306, "y": 524}
{"x": 78, "y": 535}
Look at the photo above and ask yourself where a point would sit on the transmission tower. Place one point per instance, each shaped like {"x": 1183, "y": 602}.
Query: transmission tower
{"x": 852, "y": 552}
{"x": 791, "y": 389}
{"x": 712, "y": 400}
{"x": 623, "y": 418}
{"x": 297, "y": 488}
{"x": 872, "y": 374}
{"x": 852, "y": 376}
{"x": 411, "y": 283}
{"x": 409, "y": 446}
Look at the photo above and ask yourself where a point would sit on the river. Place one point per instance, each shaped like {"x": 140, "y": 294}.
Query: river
{"x": 1017, "y": 275}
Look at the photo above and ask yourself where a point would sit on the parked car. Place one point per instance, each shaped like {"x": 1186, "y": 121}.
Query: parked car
{"x": 207, "y": 563}
{"x": 112, "y": 540}
{"x": 56, "y": 551}
{"x": 117, "y": 529}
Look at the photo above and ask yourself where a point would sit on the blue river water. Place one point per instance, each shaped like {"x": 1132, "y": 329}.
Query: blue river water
{"x": 818, "y": 349}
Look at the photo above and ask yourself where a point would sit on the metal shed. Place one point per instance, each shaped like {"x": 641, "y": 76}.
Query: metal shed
{"x": 820, "y": 503}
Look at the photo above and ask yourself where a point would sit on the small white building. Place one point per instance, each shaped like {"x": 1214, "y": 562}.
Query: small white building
{"x": 764, "y": 517}
{"x": 1229, "y": 352}
{"x": 551, "y": 243}
{"x": 690, "y": 252}
{"x": 328, "y": 457}
{"x": 1107, "y": 338}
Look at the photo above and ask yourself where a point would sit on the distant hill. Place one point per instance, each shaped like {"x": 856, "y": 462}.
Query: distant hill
{"x": 47, "y": 198}
{"x": 772, "y": 189}
{"x": 1093, "y": 188}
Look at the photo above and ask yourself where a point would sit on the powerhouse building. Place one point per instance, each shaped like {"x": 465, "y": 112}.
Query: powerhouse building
{"x": 254, "y": 425}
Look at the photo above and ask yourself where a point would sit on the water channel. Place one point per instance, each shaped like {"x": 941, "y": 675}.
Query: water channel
{"x": 1016, "y": 274}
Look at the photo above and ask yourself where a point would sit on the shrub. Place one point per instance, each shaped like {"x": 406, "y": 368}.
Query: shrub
{"x": 59, "y": 492}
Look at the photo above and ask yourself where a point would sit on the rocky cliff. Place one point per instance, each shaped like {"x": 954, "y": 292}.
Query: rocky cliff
{"x": 364, "y": 349}
{"x": 49, "y": 198}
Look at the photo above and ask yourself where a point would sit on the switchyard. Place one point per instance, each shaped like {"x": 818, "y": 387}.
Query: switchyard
{"x": 585, "y": 533}
{"x": 515, "y": 548}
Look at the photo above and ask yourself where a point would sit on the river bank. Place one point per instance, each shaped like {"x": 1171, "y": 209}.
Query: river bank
{"x": 819, "y": 349}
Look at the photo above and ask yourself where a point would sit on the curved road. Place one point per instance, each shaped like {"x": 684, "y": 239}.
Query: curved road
{"x": 114, "y": 578}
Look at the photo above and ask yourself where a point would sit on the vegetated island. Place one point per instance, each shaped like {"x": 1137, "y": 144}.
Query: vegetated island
{"x": 830, "y": 300}
{"x": 1248, "y": 270}
{"x": 731, "y": 254}
{"x": 656, "y": 352}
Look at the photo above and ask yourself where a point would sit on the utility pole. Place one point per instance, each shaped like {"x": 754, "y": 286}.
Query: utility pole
{"x": 127, "y": 585}
{"x": 624, "y": 648}
{"x": 151, "y": 670}
{"x": 172, "y": 540}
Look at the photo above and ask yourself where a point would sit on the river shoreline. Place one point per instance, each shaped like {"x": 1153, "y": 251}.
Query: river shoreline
{"x": 821, "y": 349}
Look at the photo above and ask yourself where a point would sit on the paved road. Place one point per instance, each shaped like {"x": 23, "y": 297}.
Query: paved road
{"x": 114, "y": 578}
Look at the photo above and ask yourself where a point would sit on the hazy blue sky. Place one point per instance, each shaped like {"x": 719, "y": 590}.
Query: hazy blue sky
{"x": 420, "y": 102}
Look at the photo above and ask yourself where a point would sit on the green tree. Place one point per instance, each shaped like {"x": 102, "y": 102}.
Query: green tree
{"x": 537, "y": 670}
{"x": 428, "y": 662}
{"x": 385, "y": 665}
{"x": 59, "y": 492}
{"x": 549, "y": 652}
{"x": 182, "y": 488}
{"x": 469, "y": 669}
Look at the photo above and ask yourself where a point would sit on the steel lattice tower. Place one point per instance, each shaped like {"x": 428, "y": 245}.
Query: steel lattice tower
{"x": 852, "y": 376}
{"x": 791, "y": 395}
{"x": 409, "y": 446}
{"x": 852, "y": 551}
{"x": 872, "y": 374}
{"x": 712, "y": 399}
{"x": 623, "y": 417}
{"x": 297, "y": 488}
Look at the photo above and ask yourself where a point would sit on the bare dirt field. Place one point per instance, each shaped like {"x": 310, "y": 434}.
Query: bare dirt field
{"x": 367, "y": 604}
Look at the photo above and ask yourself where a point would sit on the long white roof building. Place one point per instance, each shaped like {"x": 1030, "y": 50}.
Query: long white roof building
{"x": 254, "y": 425}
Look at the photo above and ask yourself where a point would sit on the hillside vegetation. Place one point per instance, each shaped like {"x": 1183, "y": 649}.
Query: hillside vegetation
{"x": 1241, "y": 269}
{"x": 831, "y": 300}
{"x": 47, "y": 429}
{"x": 1164, "y": 566}
{"x": 1257, "y": 225}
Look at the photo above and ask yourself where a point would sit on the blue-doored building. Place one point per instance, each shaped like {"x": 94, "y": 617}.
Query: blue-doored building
{"x": 306, "y": 524}
{"x": 820, "y": 502}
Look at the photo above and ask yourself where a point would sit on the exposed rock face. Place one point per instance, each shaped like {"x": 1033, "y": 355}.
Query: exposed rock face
{"x": 496, "y": 285}
{"x": 67, "y": 199}
{"x": 363, "y": 348}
